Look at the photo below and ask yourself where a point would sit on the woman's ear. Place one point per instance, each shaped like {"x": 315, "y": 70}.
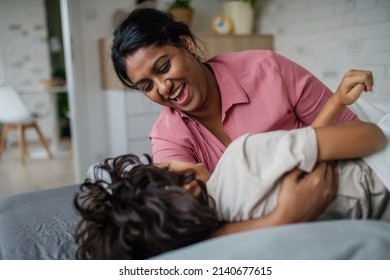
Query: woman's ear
{"x": 188, "y": 43}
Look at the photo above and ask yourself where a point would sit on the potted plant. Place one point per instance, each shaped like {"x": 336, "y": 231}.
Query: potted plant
{"x": 242, "y": 14}
{"x": 181, "y": 10}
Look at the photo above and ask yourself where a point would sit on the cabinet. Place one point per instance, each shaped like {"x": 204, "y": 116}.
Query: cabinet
{"x": 109, "y": 79}
{"x": 216, "y": 44}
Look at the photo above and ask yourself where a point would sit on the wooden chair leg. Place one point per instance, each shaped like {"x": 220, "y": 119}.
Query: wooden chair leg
{"x": 43, "y": 140}
{"x": 22, "y": 142}
{"x": 3, "y": 139}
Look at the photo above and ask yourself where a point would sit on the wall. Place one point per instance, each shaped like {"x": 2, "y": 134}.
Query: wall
{"x": 25, "y": 57}
{"x": 24, "y": 42}
{"x": 328, "y": 37}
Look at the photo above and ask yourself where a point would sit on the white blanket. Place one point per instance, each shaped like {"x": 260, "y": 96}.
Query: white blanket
{"x": 380, "y": 161}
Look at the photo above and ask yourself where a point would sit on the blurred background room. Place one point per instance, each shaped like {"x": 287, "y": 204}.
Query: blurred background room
{"x": 55, "y": 53}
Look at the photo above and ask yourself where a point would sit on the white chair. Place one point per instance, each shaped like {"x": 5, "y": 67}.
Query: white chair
{"x": 14, "y": 114}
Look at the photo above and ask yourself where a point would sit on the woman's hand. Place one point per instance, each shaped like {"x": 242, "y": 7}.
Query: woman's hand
{"x": 304, "y": 198}
{"x": 351, "y": 87}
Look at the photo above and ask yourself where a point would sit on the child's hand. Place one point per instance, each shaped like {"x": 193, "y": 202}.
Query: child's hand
{"x": 353, "y": 84}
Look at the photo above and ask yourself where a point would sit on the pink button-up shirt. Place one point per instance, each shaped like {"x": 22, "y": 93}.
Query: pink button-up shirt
{"x": 261, "y": 91}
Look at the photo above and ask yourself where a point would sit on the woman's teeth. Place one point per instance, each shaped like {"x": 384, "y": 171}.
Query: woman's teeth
{"x": 177, "y": 92}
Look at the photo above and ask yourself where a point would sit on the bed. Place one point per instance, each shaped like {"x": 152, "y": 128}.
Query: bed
{"x": 40, "y": 226}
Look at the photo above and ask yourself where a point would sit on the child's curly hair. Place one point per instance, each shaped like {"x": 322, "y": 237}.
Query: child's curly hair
{"x": 141, "y": 212}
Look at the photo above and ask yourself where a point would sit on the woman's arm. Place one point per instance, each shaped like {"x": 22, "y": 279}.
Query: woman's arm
{"x": 351, "y": 87}
{"x": 349, "y": 140}
{"x": 312, "y": 193}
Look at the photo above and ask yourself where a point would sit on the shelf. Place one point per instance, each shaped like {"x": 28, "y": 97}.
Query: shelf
{"x": 217, "y": 44}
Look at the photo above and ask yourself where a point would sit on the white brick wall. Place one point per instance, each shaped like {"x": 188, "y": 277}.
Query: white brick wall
{"x": 23, "y": 36}
{"x": 329, "y": 37}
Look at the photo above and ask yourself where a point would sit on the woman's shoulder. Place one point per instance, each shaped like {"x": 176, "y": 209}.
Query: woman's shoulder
{"x": 243, "y": 61}
{"x": 250, "y": 55}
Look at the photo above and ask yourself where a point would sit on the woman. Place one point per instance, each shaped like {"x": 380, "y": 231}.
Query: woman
{"x": 208, "y": 105}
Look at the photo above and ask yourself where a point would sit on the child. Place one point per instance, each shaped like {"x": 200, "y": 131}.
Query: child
{"x": 135, "y": 209}
{"x": 258, "y": 162}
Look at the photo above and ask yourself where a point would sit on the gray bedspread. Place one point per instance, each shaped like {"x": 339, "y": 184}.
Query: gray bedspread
{"x": 40, "y": 225}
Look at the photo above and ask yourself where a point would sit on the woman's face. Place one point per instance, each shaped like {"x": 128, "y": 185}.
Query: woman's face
{"x": 199, "y": 169}
{"x": 170, "y": 76}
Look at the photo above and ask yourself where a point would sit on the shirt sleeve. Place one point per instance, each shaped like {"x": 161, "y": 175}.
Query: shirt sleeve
{"x": 170, "y": 138}
{"x": 165, "y": 150}
{"x": 306, "y": 93}
{"x": 274, "y": 153}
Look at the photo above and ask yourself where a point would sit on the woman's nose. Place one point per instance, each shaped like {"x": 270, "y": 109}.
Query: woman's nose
{"x": 164, "y": 87}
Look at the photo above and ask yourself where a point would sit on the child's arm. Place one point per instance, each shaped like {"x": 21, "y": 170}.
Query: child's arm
{"x": 349, "y": 140}
{"x": 353, "y": 84}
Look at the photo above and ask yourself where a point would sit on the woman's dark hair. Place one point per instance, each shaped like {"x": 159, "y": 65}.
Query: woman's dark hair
{"x": 141, "y": 212}
{"x": 144, "y": 28}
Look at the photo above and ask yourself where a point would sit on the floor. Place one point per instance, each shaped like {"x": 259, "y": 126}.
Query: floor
{"x": 38, "y": 172}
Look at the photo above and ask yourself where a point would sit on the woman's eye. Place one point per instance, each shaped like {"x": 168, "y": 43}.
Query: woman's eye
{"x": 164, "y": 69}
{"x": 147, "y": 87}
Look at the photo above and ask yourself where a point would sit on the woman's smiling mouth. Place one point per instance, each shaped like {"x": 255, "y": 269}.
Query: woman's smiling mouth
{"x": 177, "y": 92}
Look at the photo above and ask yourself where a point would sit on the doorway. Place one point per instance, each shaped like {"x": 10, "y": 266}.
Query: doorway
{"x": 57, "y": 62}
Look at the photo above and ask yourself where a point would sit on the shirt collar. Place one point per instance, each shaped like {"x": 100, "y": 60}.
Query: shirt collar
{"x": 230, "y": 87}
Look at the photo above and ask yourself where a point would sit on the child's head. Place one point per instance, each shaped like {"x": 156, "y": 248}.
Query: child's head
{"x": 136, "y": 210}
